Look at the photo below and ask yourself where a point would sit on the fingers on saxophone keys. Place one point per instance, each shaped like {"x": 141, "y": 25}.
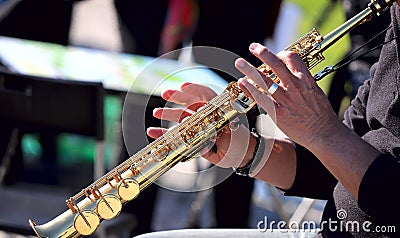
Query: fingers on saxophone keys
{"x": 273, "y": 61}
{"x": 199, "y": 90}
{"x": 259, "y": 80}
{"x": 266, "y": 102}
{"x": 171, "y": 114}
{"x": 178, "y": 97}
{"x": 252, "y": 73}
{"x": 155, "y": 132}
{"x": 183, "y": 98}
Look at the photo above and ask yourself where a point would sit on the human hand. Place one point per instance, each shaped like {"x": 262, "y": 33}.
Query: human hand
{"x": 298, "y": 106}
{"x": 231, "y": 146}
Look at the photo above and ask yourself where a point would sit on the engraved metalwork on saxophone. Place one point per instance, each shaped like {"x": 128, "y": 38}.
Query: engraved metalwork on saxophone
{"x": 103, "y": 199}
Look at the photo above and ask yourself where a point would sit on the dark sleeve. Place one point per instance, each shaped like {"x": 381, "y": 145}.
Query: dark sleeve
{"x": 375, "y": 195}
{"x": 355, "y": 115}
{"x": 312, "y": 180}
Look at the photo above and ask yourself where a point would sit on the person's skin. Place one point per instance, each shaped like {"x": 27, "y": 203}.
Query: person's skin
{"x": 303, "y": 113}
{"x": 280, "y": 167}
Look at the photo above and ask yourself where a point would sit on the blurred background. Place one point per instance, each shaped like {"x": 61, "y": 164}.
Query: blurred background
{"x": 45, "y": 166}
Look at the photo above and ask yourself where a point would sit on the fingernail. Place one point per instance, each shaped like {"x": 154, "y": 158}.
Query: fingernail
{"x": 240, "y": 62}
{"x": 155, "y": 110}
{"x": 185, "y": 84}
{"x": 243, "y": 81}
{"x": 253, "y": 46}
{"x": 166, "y": 94}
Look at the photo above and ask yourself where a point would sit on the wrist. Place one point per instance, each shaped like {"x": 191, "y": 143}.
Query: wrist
{"x": 325, "y": 135}
{"x": 253, "y": 158}
{"x": 321, "y": 131}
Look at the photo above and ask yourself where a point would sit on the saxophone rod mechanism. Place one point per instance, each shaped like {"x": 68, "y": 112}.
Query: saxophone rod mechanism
{"x": 332, "y": 37}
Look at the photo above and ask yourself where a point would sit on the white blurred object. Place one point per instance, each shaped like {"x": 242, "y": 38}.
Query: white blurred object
{"x": 286, "y": 29}
{"x": 94, "y": 24}
{"x": 266, "y": 126}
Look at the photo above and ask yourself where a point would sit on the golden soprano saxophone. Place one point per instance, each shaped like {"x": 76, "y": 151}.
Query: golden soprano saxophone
{"x": 103, "y": 199}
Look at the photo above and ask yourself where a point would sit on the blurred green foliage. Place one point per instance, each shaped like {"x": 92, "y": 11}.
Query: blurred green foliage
{"x": 312, "y": 12}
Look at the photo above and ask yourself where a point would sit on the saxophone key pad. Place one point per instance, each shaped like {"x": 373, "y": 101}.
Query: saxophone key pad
{"x": 109, "y": 206}
{"x": 129, "y": 189}
{"x": 86, "y": 222}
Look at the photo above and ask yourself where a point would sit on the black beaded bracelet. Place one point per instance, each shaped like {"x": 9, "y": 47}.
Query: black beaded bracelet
{"x": 258, "y": 155}
{"x": 245, "y": 169}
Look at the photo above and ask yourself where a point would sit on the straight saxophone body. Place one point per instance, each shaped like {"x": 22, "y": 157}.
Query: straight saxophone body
{"x": 103, "y": 199}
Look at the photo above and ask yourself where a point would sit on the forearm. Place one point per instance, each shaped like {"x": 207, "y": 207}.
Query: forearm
{"x": 344, "y": 154}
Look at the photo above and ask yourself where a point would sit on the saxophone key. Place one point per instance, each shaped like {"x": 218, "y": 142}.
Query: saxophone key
{"x": 135, "y": 170}
{"x": 109, "y": 206}
{"x": 128, "y": 190}
{"x": 160, "y": 153}
{"x": 93, "y": 191}
{"x": 109, "y": 183}
{"x": 86, "y": 222}
{"x": 71, "y": 206}
{"x": 117, "y": 177}
{"x": 234, "y": 125}
{"x": 85, "y": 191}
